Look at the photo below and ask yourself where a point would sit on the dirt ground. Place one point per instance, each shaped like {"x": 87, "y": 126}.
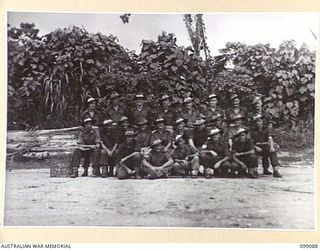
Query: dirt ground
{"x": 32, "y": 198}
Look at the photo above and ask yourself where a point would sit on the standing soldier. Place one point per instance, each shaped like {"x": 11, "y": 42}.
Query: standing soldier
{"x": 265, "y": 146}
{"x": 157, "y": 164}
{"x": 186, "y": 158}
{"x": 140, "y": 111}
{"x": 109, "y": 144}
{"x": 116, "y": 111}
{"x": 92, "y": 112}
{"x": 243, "y": 153}
{"x": 189, "y": 114}
{"x": 216, "y": 156}
{"x": 257, "y": 109}
{"x": 129, "y": 157}
{"x": 88, "y": 146}
{"x": 167, "y": 112}
{"x": 213, "y": 108}
{"x": 161, "y": 133}
{"x": 236, "y": 109}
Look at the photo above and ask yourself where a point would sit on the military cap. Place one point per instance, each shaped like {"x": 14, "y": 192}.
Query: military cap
{"x": 236, "y": 117}
{"x": 114, "y": 95}
{"x": 216, "y": 117}
{"x": 212, "y": 96}
{"x": 142, "y": 121}
{"x": 240, "y": 131}
{"x": 159, "y": 119}
{"x": 91, "y": 99}
{"x": 187, "y": 100}
{"x": 164, "y": 97}
{"x": 155, "y": 143}
{"x": 214, "y": 131}
{"x": 234, "y": 96}
{"x": 179, "y": 120}
{"x": 107, "y": 121}
{"x": 139, "y": 96}
{"x": 256, "y": 117}
{"x": 123, "y": 119}
{"x": 178, "y": 138}
{"x": 199, "y": 122}
{"x": 130, "y": 132}
{"x": 256, "y": 99}
{"x": 87, "y": 120}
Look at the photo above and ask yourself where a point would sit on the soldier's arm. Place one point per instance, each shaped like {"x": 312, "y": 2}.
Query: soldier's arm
{"x": 147, "y": 164}
{"x": 168, "y": 163}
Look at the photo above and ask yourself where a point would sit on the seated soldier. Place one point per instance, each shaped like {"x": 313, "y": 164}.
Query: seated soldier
{"x": 161, "y": 134}
{"x": 186, "y": 158}
{"x": 123, "y": 127}
{"x": 263, "y": 140}
{"x": 129, "y": 157}
{"x": 189, "y": 114}
{"x": 216, "y": 122}
{"x": 216, "y": 157}
{"x": 109, "y": 144}
{"x": 199, "y": 135}
{"x": 88, "y": 146}
{"x": 243, "y": 153}
{"x": 235, "y": 123}
{"x": 143, "y": 135}
{"x": 157, "y": 164}
{"x": 180, "y": 130}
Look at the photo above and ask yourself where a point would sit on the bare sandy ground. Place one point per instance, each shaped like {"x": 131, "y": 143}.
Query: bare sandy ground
{"x": 34, "y": 199}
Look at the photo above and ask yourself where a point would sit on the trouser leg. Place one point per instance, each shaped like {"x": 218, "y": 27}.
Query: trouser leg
{"x": 195, "y": 165}
{"x": 181, "y": 169}
{"x": 76, "y": 157}
{"x": 95, "y": 162}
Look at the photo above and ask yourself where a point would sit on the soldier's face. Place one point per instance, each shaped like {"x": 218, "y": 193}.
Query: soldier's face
{"x": 166, "y": 102}
{"x": 157, "y": 148}
{"x": 129, "y": 138}
{"x": 189, "y": 105}
{"x": 92, "y": 105}
{"x": 236, "y": 101}
{"x": 139, "y": 102}
{"x": 238, "y": 121}
{"x": 243, "y": 137}
{"x": 258, "y": 104}
{"x": 88, "y": 125}
{"x": 180, "y": 143}
{"x": 125, "y": 124}
{"x": 160, "y": 125}
{"x": 215, "y": 137}
{"x": 218, "y": 121}
{"x": 115, "y": 101}
{"x": 213, "y": 102}
{"x": 180, "y": 126}
{"x": 259, "y": 123}
{"x": 143, "y": 127}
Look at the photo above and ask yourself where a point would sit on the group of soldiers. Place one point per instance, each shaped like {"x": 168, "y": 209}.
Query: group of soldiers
{"x": 145, "y": 143}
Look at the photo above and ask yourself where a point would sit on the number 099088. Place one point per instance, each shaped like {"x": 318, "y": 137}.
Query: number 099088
{"x": 308, "y": 245}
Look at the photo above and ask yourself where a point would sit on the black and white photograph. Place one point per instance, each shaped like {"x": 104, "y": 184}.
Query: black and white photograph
{"x": 161, "y": 120}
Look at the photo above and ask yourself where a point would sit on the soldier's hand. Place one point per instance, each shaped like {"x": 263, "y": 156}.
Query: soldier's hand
{"x": 217, "y": 165}
{"x": 213, "y": 153}
{"x": 258, "y": 149}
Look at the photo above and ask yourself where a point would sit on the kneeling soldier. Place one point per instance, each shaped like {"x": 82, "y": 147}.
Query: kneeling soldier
{"x": 186, "y": 158}
{"x": 157, "y": 164}
{"x": 129, "y": 157}
{"x": 89, "y": 144}
{"x": 244, "y": 154}
{"x": 265, "y": 146}
{"x": 215, "y": 156}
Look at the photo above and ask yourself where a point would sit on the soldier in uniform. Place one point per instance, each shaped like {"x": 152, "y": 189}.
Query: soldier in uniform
{"x": 216, "y": 157}
{"x": 92, "y": 112}
{"x": 140, "y": 111}
{"x": 144, "y": 134}
{"x": 235, "y": 123}
{"x": 216, "y": 122}
{"x": 265, "y": 147}
{"x": 199, "y": 135}
{"x": 129, "y": 157}
{"x": 157, "y": 164}
{"x": 236, "y": 109}
{"x": 257, "y": 109}
{"x": 180, "y": 130}
{"x": 243, "y": 153}
{"x": 186, "y": 158}
{"x": 109, "y": 144}
{"x": 189, "y": 114}
{"x": 123, "y": 127}
{"x": 167, "y": 112}
{"x": 213, "y": 109}
{"x": 89, "y": 146}
{"x": 161, "y": 133}
{"x": 116, "y": 111}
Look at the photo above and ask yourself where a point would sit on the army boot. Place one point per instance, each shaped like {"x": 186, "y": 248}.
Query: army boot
{"x": 74, "y": 172}
{"x": 104, "y": 171}
{"x": 85, "y": 172}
